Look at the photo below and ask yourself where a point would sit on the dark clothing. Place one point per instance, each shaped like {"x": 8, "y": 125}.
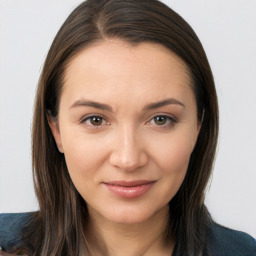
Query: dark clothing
{"x": 222, "y": 241}
{"x": 11, "y": 225}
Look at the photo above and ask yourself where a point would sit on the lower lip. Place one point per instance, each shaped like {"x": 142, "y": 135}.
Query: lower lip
{"x": 129, "y": 192}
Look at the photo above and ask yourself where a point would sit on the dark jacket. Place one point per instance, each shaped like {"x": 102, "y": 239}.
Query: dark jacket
{"x": 222, "y": 241}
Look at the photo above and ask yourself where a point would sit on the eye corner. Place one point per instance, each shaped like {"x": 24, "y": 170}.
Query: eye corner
{"x": 94, "y": 121}
{"x": 166, "y": 120}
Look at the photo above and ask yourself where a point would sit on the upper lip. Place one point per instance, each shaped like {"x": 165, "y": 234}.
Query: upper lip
{"x": 124, "y": 183}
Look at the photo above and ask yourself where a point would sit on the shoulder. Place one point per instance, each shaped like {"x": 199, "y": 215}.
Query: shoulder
{"x": 228, "y": 242}
{"x": 11, "y": 230}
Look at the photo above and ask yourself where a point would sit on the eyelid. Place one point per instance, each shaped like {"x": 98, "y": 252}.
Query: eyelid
{"x": 87, "y": 117}
{"x": 170, "y": 116}
{"x": 172, "y": 120}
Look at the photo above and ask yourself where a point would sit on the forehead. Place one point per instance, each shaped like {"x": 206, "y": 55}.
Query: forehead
{"x": 113, "y": 67}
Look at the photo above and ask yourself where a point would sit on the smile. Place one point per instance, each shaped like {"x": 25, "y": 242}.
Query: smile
{"x": 129, "y": 189}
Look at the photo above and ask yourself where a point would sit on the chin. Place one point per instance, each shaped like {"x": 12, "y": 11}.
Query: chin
{"x": 124, "y": 219}
{"x": 130, "y": 216}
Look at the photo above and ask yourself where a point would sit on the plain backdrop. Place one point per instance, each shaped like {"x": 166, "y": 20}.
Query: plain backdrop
{"x": 227, "y": 30}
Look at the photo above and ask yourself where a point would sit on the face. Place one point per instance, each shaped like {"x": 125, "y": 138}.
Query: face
{"x": 127, "y": 126}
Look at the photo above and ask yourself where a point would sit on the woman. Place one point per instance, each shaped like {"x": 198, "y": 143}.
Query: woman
{"x": 124, "y": 138}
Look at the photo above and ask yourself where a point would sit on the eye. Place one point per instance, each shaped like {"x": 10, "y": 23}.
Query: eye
{"x": 94, "y": 121}
{"x": 162, "y": 120}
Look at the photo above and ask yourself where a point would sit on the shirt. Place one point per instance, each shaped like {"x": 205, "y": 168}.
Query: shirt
{"x": 222, "y": 241}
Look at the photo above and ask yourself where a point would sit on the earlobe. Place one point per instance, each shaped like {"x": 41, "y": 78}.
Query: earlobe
{"x": 54, "y": 126}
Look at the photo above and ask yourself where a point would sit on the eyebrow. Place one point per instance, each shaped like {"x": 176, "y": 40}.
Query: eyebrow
{"x": 163, "y": 103}
{"x": 94, "y": 104}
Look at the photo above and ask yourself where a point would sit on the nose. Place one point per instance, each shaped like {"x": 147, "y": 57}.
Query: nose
{"x": 128, "y": 153}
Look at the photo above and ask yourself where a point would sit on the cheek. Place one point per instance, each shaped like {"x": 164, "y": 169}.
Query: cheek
{"x": 84, "y": 155}
{"x": 173, "y": 160}
{"x": 172, "y": 152}
{"x": 172, "y": 156}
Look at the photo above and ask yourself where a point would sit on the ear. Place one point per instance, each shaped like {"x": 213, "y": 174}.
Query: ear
{"x": 54, "y": 126}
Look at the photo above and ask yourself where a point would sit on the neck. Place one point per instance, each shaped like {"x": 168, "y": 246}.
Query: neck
{"x": 140, "y": 239}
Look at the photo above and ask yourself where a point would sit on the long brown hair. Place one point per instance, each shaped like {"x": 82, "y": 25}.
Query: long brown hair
{"x": 59, "y": 225}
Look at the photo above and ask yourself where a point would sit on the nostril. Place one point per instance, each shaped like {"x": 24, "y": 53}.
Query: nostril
{"x": 128, "y": 161}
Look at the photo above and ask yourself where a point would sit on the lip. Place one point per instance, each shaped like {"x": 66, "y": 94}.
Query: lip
{"x": 129, "y": 189}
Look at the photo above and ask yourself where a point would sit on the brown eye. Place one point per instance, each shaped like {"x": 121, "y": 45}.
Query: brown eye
{"x": 96, "y": 120}
{"x": 160, "y": 120}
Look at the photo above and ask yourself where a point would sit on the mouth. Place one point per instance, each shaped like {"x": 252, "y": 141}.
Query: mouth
{"x": 129, "y": 189}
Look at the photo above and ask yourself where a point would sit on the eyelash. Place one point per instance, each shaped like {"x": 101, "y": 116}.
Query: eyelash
{"x": 89, "y": 118}
{"x": 168, "y": 119}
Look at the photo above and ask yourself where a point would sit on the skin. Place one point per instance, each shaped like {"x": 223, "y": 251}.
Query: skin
{"x": 127, "y": 142}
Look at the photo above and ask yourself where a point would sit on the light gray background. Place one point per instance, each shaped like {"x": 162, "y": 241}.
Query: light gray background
{"x": 227, "y": 30}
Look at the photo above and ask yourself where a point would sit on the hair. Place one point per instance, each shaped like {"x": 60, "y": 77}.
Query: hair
{"x": 58, "y": 227}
